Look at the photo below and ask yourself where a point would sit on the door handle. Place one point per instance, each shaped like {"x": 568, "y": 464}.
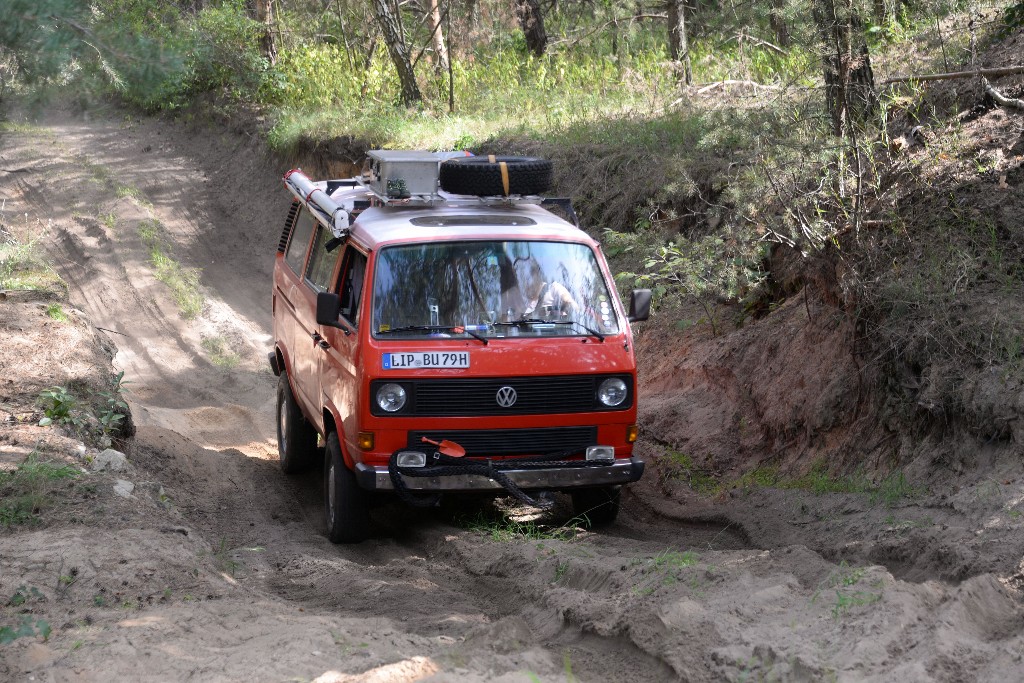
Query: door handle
{"x": 319, "y": 341}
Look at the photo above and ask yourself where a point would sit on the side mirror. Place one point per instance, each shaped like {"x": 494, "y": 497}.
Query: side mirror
{"x": 328, "y": 307}
{"x": 639, "y": 305}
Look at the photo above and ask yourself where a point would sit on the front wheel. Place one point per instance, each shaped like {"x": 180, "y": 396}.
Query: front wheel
{"x": 345, "y": 504}
{"x": 596, "y": 507}
{"x": 296, "y": 437}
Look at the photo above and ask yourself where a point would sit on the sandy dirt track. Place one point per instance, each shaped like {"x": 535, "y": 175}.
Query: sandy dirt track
{"x": 217, "y": 567}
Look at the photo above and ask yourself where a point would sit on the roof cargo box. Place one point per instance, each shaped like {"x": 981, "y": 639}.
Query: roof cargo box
{"x": 398, "y": 174}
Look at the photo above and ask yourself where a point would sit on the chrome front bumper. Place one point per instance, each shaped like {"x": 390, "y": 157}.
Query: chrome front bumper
{"x": 555, "y": 478}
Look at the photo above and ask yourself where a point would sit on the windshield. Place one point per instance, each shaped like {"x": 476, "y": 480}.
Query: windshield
{"x": 492, "y": 289}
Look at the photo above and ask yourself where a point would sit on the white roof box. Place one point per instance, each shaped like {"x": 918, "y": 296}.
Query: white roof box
{"x": 398, "y": 174}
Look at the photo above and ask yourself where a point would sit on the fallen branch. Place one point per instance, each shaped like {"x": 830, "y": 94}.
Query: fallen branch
{"x": 1001, "y": 71}
{"x": 14, "y": 170}
{"x": 707, "y": 87}
{"x": 1001, "y": 99}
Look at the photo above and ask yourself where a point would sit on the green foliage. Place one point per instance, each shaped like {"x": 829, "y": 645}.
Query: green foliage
{"x": 28, "y": 627}
{"x": 112, "y": 409}
{"x": 551, "y": 93}
{"x": 707, "y": 269}
{"x": 57, "y": 43}
{"x": 308, "y": 77}
{"x": 101, "y": 417}
{"x": 61, "y": 407}
{"x": 55, "y": 312}
{"x": 1013, "y": 16}
{"x": 224, "y": 53}
{"x": 23, "y": 594}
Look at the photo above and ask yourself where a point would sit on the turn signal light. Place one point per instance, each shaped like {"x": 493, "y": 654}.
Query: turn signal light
{"x": 365, "y": 441}
{"x": 632, "y": 431}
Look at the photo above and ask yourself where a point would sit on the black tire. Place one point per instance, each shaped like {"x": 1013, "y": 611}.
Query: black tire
{"x": 596, "y": 507}
{"x": 346, "y": 506}
{"x": 480, "y": 176}
{"x": 296, "y": 438}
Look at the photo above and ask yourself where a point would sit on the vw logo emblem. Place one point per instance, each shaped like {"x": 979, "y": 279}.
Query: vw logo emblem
{"x": 506, "y": 397}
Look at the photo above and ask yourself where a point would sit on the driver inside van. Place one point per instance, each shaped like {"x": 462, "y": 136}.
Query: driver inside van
{"x": 543, "y": 299}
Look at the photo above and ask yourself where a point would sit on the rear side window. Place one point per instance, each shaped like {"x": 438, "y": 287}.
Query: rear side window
{"x": 321, "y": 261}
{"x": 352, "y": 276}
{"x": 296, "y": 254}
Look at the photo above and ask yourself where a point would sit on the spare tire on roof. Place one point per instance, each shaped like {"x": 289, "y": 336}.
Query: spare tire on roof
{"x": 490, "y": 175}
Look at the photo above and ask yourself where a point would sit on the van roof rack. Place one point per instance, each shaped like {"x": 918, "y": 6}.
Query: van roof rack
{"x": 397, "y": 178}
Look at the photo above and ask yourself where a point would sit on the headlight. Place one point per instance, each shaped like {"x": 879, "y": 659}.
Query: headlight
{"x": 391, "y": 398}
{"x": 612, "y": 392}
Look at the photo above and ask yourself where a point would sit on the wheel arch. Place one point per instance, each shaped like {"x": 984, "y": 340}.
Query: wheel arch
{"x": 284, "y": 362}
{"x": 332, "y": 418}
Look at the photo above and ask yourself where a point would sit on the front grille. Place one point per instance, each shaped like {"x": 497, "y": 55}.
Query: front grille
{"x": 468, "y": 397}
{"x": 495, "y": 442}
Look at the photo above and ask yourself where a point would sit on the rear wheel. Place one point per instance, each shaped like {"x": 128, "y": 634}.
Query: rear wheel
{"x": 296, "y": 438}
{"x": 346, "y": 506}
{"x": 597, "y": 507}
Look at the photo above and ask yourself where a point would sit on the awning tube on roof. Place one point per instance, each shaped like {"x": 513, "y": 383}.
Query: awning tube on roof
{"x": 321, "y": 206}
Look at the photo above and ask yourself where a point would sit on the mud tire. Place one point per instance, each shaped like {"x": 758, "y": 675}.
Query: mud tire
{"x": 479, "y": 176}
{"x": 346, "y": 506}
{"x": 597, "y": 507}
{"x": 296, "y": 438}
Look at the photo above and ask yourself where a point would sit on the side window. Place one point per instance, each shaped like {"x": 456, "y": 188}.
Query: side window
{"x": 321, "y": 261}
{"x": 351, "y": 285}
{"x": 303, "y": 230}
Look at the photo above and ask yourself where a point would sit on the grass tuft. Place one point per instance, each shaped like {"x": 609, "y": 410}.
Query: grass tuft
{"x": 220, "y": 352}
{"x": 818, "y": 480}
{"x": 183, "y": 282}
{"x": 682, "y": 467}
{"x": 505, "y": 530}
{"x": 55, "y": 312}
{"x": 22, "y": 264}
{"x": 24, "y": 491}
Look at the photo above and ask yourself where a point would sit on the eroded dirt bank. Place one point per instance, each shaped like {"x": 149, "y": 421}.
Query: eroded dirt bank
{"x": 216, "y": 567}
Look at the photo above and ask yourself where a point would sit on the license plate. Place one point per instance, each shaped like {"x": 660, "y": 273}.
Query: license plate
{"x": 426, "y": 359}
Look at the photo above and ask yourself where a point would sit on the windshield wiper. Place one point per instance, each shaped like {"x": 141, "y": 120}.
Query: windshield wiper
{"x": 538, "y": 321}
{"x": 458, "y": 329}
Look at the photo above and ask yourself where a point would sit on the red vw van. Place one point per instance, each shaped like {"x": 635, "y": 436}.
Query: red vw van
{"x": 438, "y": 330}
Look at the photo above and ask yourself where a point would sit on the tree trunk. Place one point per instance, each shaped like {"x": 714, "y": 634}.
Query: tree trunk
{"x": 265, "y": 15}
{"x": 777, "y": 20}
{"x": 437, "y": 36}
{"x": 678, "y": 45}
{"x": 880, "y": 11}
{"x": 849, "y": 82}
{"x": 392, "y": 31}
{"x": 472, "y": 14}
{"x": 532, "y": 20}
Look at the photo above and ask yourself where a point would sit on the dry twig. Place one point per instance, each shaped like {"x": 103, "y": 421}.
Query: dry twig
{"x": 1001, "y": 99}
